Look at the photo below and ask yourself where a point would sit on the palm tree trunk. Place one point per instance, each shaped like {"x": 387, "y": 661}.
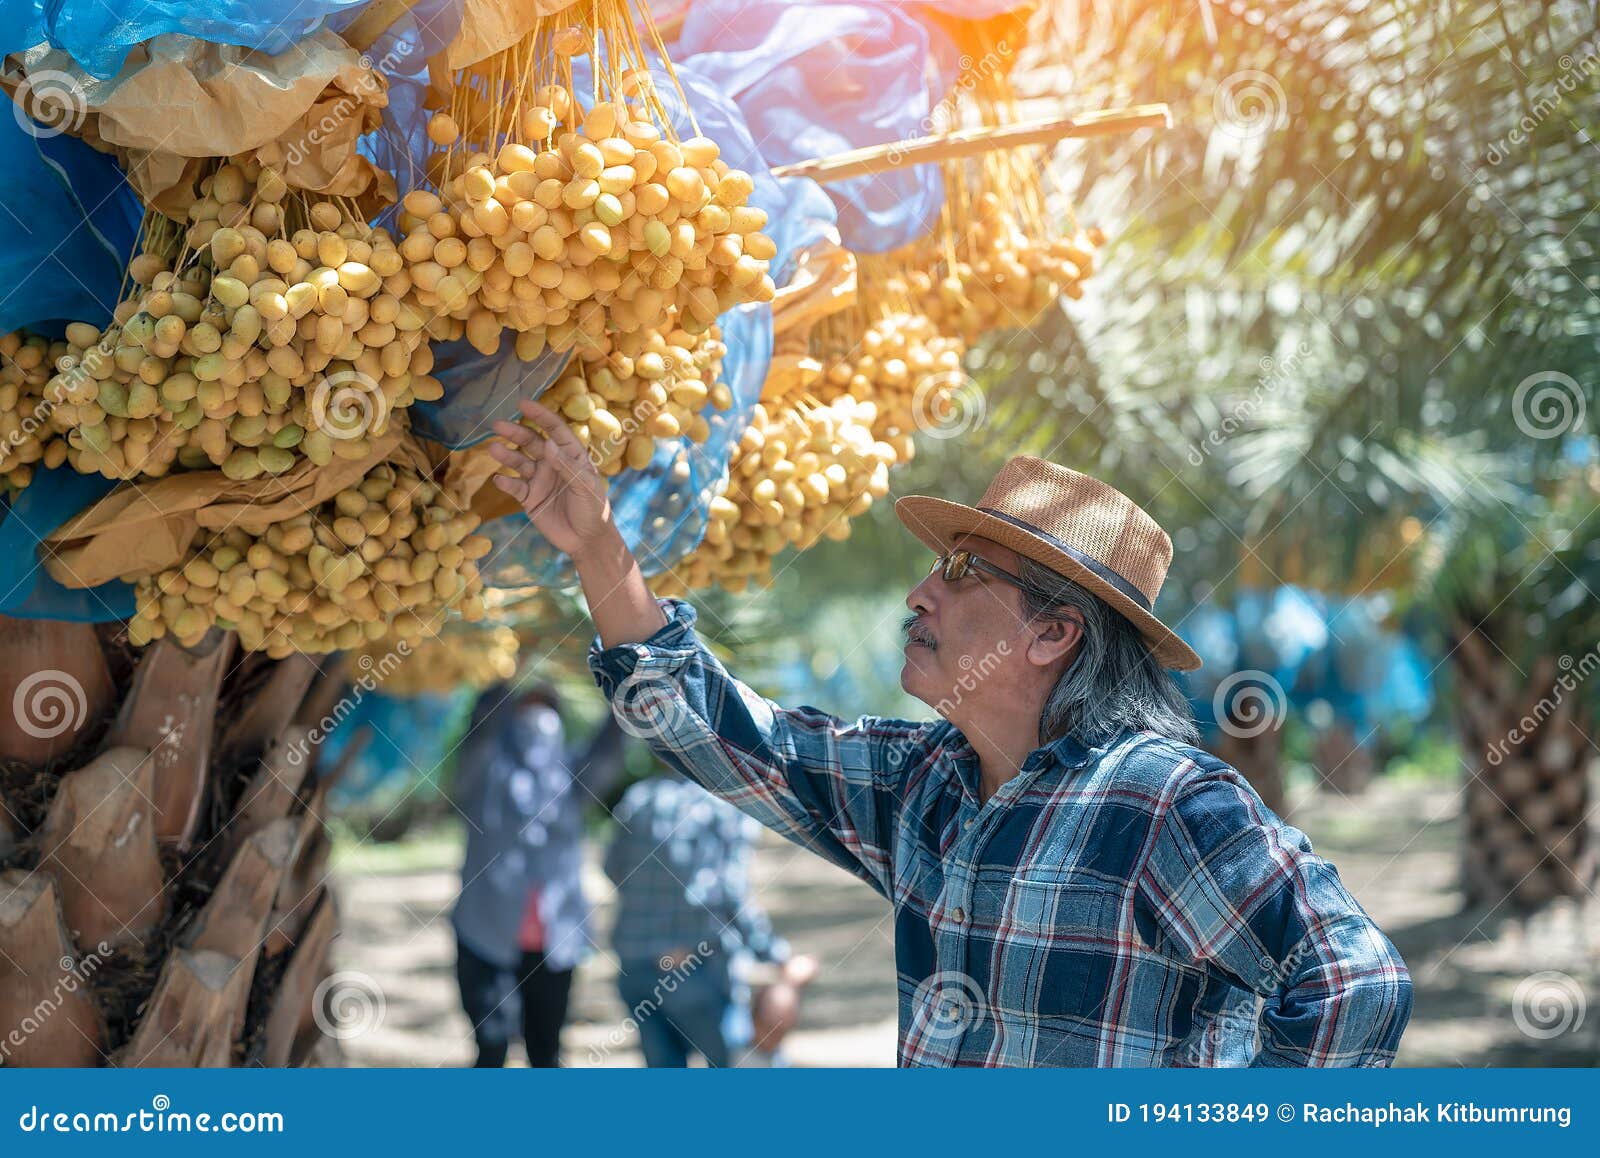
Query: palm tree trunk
{"x": 1259, "y": 758}
{"x": 1343, "y": 764}
{"x": 161, "y": 852}
{"x": 1526, "y": 743}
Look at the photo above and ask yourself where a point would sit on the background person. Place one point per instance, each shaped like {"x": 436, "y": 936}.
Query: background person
{"x": 680, "y": 859}
{"x": 522, "y": 920}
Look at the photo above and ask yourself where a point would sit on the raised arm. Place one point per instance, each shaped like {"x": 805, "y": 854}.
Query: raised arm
{"x": 831, "y": 785}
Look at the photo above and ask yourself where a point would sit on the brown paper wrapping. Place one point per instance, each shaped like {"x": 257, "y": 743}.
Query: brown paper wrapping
{"x": 177, "y": 99}
{"x": 491, "y": 26}
{"x": 823, "y": 283}
{"x": 141, "y": 528}
{"x": 473, "y": 467}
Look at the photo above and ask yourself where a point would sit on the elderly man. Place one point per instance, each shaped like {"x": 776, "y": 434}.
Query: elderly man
{"x": 1073, "y": 882}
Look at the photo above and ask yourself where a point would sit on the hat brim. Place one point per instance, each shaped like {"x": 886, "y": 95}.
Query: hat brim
{"x": 938, "y": 522}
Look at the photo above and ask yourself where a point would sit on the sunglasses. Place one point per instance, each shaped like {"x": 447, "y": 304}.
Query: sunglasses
{"x": 959, "y": 564}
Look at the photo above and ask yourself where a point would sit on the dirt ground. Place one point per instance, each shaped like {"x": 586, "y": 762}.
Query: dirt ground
{"x": 1395, "y": 846}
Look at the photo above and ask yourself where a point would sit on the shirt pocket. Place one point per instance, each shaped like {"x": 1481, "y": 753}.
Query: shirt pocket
{"x": 1062, "y": 944}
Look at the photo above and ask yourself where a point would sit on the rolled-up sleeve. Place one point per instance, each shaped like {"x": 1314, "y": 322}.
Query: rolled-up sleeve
{"x": 1239, "y": 891}
{"x": 833, "y": 786}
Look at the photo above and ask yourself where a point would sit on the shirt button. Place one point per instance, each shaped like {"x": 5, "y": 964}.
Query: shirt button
{"x": 959, "y": 915}
{"x": 970, "y": 820}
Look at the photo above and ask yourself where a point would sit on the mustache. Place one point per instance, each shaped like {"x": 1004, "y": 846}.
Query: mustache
{"x": 915, "y": 632}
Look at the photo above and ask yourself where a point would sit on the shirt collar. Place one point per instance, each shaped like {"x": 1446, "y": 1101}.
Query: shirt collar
{"x": 1067, "y": 753}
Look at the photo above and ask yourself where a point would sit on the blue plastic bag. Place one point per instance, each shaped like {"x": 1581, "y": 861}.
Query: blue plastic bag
{"x": 814, "y": 79}
{"x": 77, "y": 222}
{"x": 98, "y": 34}
{"x": 26, "y": 590}
{"x": 661, "y": 516}
{"x": 400, "y": 144}
{"x": 66, "y": 264}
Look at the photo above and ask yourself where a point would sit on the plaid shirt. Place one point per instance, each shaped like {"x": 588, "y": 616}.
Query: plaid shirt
{"x": 681, "y": 863}
{"x": 1129, "y": 905}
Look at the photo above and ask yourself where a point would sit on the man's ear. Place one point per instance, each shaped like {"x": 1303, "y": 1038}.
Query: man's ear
{"x": 1052, "y": 640}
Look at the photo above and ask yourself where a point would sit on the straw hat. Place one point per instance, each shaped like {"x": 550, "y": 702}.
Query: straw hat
{"x": 1077, "y": 526}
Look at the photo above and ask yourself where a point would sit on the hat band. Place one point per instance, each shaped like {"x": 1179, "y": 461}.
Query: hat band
{"x": 1088, "y": 561}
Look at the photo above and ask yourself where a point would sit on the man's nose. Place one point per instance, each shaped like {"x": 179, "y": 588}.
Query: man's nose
{"x": 922, "y": 597}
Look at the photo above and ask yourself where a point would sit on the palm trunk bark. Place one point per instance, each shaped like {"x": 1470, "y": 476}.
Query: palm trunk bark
{"x": 1259, "y": 758}
{"x": 1526, "y": 743}
{"x": 162, "y": 852}
{"x": 1343, "y": 764}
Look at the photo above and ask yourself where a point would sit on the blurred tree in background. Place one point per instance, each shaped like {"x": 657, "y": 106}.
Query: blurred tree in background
{"x": 1343, "y": 338}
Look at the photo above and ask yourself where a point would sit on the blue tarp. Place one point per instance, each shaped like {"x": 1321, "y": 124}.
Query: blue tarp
{"x": 98, "y": 34}
{"x": 26, "y": 591}
{"x": 72, "y": 222}
{"x": 813, "y": 79}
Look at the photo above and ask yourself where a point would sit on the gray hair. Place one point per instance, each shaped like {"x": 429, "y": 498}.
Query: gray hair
{"x": 1115, "y": 682}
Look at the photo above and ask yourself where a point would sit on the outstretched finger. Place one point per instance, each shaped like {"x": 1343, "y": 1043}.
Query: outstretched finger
{"x": 523, "y": 462}
{"x": 517, "y": 433}
{"x": 554, "y": 428}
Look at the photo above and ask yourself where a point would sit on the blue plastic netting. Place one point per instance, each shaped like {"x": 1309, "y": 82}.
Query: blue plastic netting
{"x": 813, "y": 79}
{"x": 98, "y": 35}
{"x": 408, "y": 745}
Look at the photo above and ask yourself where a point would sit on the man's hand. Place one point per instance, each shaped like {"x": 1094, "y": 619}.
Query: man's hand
{"x": 554, "y": 480}
{"x": 560, "y": 488}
